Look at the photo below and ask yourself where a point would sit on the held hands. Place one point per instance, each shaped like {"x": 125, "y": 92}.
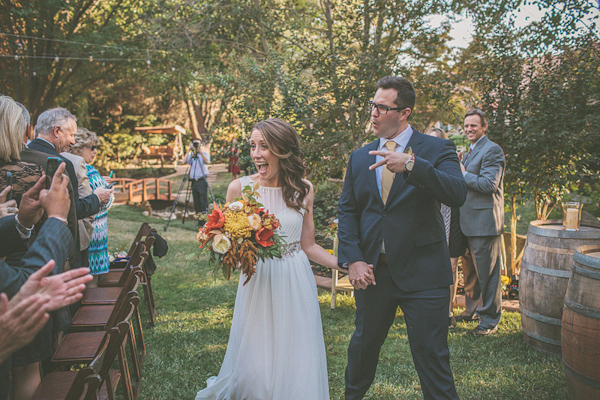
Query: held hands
{"x": 393, "y": 160}
{"x": 361, "y": 275}
{"x": 462, "y": 168}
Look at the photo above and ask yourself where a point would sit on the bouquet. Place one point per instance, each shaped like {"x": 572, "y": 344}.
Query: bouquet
{"x": 240, "y": 233}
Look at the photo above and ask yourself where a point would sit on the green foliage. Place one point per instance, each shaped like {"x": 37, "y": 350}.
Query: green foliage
{"x": 542, "y": 101}
{"x": 325, "y": 204}
{"x": 110, "y": 27}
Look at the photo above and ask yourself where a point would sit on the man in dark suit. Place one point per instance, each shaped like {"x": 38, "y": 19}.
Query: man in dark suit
{"x": 55, "y": 130}
{"x": 482, "y": 221}
{"x": 393, "y": 242}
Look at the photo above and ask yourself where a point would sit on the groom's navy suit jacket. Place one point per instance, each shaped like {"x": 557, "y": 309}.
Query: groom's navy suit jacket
{"x": 410, "y": 223}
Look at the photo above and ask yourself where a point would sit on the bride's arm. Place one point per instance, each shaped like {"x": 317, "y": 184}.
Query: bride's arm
{"x": 234, "y": 190}
{"x": 313, "y": 251}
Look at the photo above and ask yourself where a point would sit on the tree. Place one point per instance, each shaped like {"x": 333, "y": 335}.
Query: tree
{"x": 65, "y": 48}
{"x": 539, "y": 88}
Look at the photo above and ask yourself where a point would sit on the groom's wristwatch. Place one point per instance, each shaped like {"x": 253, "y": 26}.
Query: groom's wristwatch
{"x": 410, "y": 163}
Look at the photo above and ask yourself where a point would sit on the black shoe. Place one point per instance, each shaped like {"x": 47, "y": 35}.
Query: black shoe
{"x": 452, "y": 322}
{"x": 467, "y": 318}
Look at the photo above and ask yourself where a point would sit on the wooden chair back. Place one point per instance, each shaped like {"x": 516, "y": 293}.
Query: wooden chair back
{"x": 144, "y": 231}
{"x": 129, "y": 291}
{"x": 138, "y": 258}
{"x": 90, "y": 378}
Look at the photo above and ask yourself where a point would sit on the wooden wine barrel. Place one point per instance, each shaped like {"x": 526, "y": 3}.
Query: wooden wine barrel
{"x": 581, "y": 326}
{"x": 545, "y": 272}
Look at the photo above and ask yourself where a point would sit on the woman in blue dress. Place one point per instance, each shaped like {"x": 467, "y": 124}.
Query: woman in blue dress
{"x": 86, "y": 146}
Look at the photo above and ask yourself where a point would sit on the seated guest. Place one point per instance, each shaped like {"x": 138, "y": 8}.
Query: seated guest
{"x": 82, "y": 153}
{"x": 54, "y": 241}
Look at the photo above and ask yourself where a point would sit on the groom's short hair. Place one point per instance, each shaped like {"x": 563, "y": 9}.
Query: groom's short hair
{"x": 406, "y": 93}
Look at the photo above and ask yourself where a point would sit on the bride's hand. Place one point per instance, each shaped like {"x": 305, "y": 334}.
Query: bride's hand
{"x": 361, "y": 275}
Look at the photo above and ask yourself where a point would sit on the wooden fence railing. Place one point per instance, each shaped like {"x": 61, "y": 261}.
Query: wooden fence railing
{"x": 140, "y": 190}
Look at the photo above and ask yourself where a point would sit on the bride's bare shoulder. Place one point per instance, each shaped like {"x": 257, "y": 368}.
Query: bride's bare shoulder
{"x": 234, "y": 189}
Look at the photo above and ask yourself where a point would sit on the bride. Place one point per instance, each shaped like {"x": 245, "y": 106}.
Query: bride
{"x": 276, "y": 349}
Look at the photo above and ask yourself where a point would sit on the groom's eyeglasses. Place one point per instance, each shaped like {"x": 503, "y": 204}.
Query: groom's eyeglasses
{"x": 381, "y": 109}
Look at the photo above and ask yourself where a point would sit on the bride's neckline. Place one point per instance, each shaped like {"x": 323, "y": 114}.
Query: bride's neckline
{"x": 264, "y": 187}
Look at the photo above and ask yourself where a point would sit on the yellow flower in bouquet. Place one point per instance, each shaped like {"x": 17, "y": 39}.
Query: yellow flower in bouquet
{"x": 240, "y": 233}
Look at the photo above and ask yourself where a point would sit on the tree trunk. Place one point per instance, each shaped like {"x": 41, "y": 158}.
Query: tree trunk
{"x": 191, "y": 114}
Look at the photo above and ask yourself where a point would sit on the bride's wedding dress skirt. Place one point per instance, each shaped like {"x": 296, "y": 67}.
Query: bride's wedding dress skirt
{"x": 276, "y": 349}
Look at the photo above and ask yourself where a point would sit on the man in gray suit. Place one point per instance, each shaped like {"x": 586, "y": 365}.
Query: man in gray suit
{"x": 482, "y": 221}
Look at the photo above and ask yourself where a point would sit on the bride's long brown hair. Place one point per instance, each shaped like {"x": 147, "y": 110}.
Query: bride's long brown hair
{"x": 283, "y": 141}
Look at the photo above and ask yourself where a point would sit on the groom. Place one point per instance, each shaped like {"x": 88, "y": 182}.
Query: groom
{"x": 389, "y": 217}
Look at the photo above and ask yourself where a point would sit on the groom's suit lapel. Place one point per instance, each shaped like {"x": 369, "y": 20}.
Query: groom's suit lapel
{"x": 415, "y": 143}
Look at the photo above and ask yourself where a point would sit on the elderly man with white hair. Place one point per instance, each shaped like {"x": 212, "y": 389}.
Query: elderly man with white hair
{"x": 54, "y": 131}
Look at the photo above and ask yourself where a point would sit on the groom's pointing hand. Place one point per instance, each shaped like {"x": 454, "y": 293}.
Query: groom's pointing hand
{"x": 393, "y": 160}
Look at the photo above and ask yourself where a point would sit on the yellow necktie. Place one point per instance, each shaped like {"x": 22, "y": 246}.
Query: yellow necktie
{"x": 387, "y": 176}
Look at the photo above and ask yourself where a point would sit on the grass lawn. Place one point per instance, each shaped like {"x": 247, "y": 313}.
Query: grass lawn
{"x": 195, "y": 308}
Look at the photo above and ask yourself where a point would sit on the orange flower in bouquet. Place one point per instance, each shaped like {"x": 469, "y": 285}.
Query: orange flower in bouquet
{"x": 240, "y": 233}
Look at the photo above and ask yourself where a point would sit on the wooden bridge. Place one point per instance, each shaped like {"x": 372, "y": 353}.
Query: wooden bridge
{"x": 140, "y": 190}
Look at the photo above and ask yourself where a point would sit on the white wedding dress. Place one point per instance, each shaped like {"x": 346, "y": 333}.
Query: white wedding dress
{"x": 276, "y": 349}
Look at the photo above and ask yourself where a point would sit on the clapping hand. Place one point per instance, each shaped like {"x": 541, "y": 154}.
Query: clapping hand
{"x": 20, "y": 323}
{"x": 361, "y": 275}
{"x": 58, "y": 290}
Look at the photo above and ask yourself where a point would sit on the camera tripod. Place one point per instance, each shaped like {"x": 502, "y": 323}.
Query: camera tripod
{"x": 186, "y": 178}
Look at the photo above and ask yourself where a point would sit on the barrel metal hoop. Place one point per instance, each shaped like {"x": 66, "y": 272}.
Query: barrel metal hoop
{"x": 582, "y": 378}
{"x": 541, "y": 338}
{"x": 546, "y": 249}
{"x": 537, "y": 228}
{"x": 581, "y": 309}
{"x": 586, "y": 260}
{"x": 541, "y": 318}
{"x": 586, "y": 272}
{"x": 546, "y": 271}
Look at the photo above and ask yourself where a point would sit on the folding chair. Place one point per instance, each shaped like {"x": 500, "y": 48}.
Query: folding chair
{"x": 77, "y": 348}
{"x": 114, "y": 278}
{"x": 108, "y": 295}
{"x": 97, "y": 317}
{"x": 143, "y": 232}
{"x": 91, "y": 382}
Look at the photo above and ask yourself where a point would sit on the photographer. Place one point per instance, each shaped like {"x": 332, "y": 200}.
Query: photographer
{"x": 198, "y": 157}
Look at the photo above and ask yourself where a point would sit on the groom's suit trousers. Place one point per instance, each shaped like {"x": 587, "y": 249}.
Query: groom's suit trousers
{"x": 426, "y": 316}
